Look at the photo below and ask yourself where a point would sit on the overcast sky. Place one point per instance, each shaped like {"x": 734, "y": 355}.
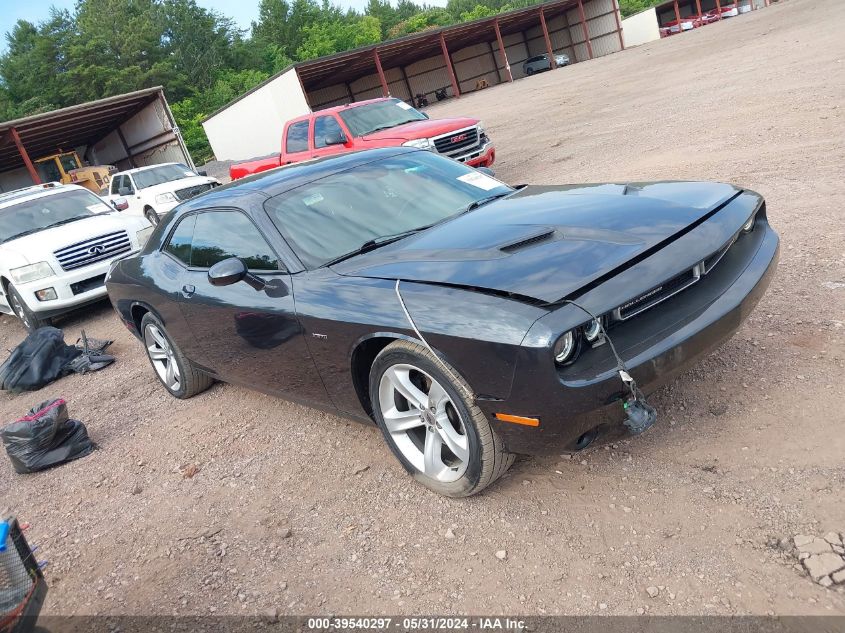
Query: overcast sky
{"x": 243, "y": 11}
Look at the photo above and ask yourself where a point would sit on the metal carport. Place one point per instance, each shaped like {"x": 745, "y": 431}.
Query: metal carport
{"x": 126, "y": 130}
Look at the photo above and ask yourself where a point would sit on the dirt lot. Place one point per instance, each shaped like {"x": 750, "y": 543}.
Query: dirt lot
{"x": 305, "y": 512}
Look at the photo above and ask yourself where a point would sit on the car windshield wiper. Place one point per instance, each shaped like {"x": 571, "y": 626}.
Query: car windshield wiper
{"x": 67, "y": 221}
{"x": 387, "y": 127}
{"x": 482, "y": 201}
{"x": 376, "y": 242}
{"x": 41, "y": 228}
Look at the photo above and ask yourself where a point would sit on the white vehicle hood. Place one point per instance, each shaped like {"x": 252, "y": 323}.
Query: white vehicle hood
{"x": 173, "y": 185}
{"x": 40, "y": 246}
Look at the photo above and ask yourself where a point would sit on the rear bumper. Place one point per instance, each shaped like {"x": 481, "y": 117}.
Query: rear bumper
{"x": 590, "y": 394}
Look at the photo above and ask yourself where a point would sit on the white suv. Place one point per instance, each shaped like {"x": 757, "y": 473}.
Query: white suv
{"x": 153, "y": 191}
{"x": 56, "y": 245}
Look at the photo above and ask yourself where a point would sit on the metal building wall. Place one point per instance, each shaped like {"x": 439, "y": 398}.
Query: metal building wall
{"x": 483, "y": 60}
{"x": 601, "y": 28}
{"x": 474, "y": 63}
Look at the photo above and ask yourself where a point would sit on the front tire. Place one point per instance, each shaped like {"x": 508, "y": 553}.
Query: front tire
{"x": 178, "y": 375}
{"x": 431, "y": 424}
{"x": 529, "y": 71}
{"x": 30, "y": 320}
{"x": 151, "y": 215}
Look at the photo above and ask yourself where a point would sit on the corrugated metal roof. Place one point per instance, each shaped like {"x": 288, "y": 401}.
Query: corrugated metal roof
{"x": 358, "y": 62}
{"x": 66, "y": 128}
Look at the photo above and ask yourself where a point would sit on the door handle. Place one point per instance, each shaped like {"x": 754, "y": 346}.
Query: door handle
{"x": 188, "y": 291}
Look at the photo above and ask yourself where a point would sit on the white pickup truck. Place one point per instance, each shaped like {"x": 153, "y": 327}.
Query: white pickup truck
{"x": 153, "y": 191}
{"x": 56, "y": 245}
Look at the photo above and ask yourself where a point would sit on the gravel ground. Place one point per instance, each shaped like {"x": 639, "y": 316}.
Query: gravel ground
{"x": 304, "y": 512}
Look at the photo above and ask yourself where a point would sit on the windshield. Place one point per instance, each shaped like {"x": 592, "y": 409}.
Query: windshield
{"x": 365, "y": 119}
{"x": 42, "y": 213}
{"x": 337, "y": 215}
{"x": 163, "y": 173}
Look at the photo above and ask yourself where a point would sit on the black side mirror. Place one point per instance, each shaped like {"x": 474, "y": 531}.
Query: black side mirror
{"x": 231, "y": 271}
{"x": 486, "y": 171}
{"x": 335, "y": 138}
{"x": 202, "y": 173}
{"x": 227, "y": 272}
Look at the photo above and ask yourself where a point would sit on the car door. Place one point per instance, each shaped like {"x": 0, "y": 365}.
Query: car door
{"x": 129, "y": 191}
{"x": 324, "y": 127}
{"x": 246, "y": 335}
{"x": 297, "y": 146}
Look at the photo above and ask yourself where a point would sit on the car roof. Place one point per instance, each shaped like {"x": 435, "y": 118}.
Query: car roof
{"x": 17, "y": 196}
{"x": 275, "y": 181}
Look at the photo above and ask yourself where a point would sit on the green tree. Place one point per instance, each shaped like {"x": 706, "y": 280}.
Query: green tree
{"x": 477, "y": 12}
{"x": 33, "y": 69}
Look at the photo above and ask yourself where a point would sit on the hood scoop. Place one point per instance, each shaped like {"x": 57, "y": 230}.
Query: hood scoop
{"x": 522, "y": 243}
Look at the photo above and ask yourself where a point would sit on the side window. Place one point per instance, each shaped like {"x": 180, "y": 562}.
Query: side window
{"x": 323, "y": 127}
{"x": 68, "y": 162}
{"x": 115, "y": 184}
{"x": 297, "y": 137}
{"x": 128, "y": 184}
{"x": 219, "y": 235}
{"x": 179, "y": 244}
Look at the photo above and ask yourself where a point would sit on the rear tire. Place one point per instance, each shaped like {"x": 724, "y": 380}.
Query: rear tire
{"x": 30, "y": 320}
{"x": 151, "y": 215}
{"x": 178, "y": 375}
{"x": 437, "y": 432}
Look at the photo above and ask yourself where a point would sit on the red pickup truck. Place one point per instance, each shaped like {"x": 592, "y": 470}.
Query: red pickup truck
{"x": 369, "y": 124}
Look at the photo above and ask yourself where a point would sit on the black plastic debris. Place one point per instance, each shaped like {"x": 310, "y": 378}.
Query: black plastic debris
{"x": 92, "y": 357}
{"x": 45, "y": 437}
{"x": 39, "y": 360}
{"x": 44, "y": 356}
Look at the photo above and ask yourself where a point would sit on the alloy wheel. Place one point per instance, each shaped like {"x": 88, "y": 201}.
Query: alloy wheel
{"x": 424, "y": 423}
{"x": 161, "y": 355}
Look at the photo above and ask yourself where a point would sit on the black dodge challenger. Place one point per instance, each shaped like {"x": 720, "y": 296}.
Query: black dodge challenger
{"x": 471, "y": 320}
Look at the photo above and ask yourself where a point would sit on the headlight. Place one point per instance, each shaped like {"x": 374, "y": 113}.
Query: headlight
{"x": 143, "y": 235}
{"x": 565, "y": 347}
{"x": 421, "y": 143}
{"x": 749, "y": 226}
{"x": 164, "y": 198}
{"x": 592, "y": 330}
{"x": 33, "y": 272}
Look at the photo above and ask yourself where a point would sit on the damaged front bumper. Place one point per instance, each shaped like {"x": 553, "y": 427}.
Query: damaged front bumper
{"x": 656, "y": 346}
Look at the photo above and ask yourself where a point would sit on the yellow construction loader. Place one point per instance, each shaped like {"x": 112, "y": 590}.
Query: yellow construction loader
{"x": 66, "y": 168}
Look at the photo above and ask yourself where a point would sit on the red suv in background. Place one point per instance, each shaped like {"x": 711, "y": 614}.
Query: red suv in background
{"x": 370, "y": 124}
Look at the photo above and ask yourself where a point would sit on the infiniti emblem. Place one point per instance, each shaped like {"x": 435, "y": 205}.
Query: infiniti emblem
{"x": 96, "y": 250}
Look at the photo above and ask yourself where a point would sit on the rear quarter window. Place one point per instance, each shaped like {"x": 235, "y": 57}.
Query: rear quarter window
{"x": 296, "y": 139}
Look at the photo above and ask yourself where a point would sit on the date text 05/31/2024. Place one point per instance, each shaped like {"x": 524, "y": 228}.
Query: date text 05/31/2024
{"x": 415, "y": 624}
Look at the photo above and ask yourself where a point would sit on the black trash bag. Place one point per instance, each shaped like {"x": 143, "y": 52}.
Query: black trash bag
{"x": 38, "y": 361}
{"x": 45, "y": 437}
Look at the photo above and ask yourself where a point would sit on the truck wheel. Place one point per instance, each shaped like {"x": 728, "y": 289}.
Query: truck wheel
{"x": 438, "y": 433}
{"x": 151, "y": 215}
{"x": 30, "y": 320}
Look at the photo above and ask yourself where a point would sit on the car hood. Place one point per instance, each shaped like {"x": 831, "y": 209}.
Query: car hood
{"x": 544, "y": 243}
{"x": 182, "y": 183}
{"x": 35, "y": 247}
{"x": 421, "y": 129}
